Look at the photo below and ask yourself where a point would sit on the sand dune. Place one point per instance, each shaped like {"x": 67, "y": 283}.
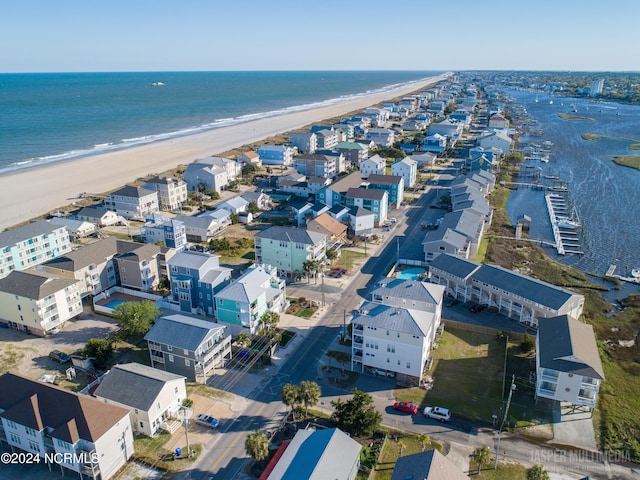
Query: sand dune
{"x": 36, "y": 191}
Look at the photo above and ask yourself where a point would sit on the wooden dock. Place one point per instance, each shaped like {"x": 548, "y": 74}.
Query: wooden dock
{"x": 610, "y": 271}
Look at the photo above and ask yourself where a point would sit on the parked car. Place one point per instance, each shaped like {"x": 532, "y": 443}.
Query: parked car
{"x": 450, "y": 302}
{"x": 406, "y": 407}
{"x": 207, "y": 421}
{"x": 384, "y": 373}
{"x": 477, "y": 308}
{"x": 59, "y": 356}
{"x": 437, "y": 413}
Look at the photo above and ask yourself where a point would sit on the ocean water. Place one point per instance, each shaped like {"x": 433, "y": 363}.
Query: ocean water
{"x": 51, "y": 117}
{"x": 606, "y": 195}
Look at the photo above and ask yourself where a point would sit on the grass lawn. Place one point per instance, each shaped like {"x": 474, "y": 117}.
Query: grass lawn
{"x": 285, "y": 337}
{"x": 390, "y": 452}
{"x": 205, "y": 391}
{"x": 150, "y": 450}
{"x": 305, "y": 312}
{"x": 505, "y": 471}
{"x": 468, "y": 372}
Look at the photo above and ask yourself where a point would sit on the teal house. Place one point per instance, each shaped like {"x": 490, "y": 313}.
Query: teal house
{"x": 288, "y": 248}
{"x": 240, "y": 305}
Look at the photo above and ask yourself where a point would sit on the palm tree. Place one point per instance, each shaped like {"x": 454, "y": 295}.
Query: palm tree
{"x": 424, "y": 441}
{"x": 481, "y": 456}
{"x": 290, "y": 395}
{"x": 257, "y": 445}
{"x": 537, "y": 472}
{"x": 309, "y": 394}
{"x": 243, "y": 340}
{"x": 343, "y": 358}
{"x": 401, "y": 447}
{"x": 308, "y": 266}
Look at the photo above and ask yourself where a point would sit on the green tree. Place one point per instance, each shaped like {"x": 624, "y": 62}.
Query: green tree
{"x": 481, "y": 456}
{"x": 290, "y": 395}
{"x": 358, "y": 415}
{"x": 309, "y": 394}
{"x": 527, "y": 343}
{"x": 243, "y": 340}
{"x": 257, "y": 445}
{"x": 424, "y": 440}
{"x": 308, "y": 266}
{"x": 235, "y": 218}
{"x": 343, "y": 358}
{"x": 101, "y": 350}
{"x": 136, "y": 317}
{"x": 537, "y": 472}
{"x": 249, "y": 169}
{"x": 218, "y": 244}
{"x": 332, "y": 254}
{"x": 253, "y": 208}
{"x": 269, "y": 322}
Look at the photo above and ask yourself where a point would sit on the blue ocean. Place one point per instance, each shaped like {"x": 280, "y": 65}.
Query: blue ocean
{"x": 52, "y": 117}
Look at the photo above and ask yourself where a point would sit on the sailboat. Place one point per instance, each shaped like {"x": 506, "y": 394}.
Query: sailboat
{"x": 536, "y": 98}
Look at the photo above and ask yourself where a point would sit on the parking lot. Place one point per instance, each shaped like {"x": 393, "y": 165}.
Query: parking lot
{"x": 29, "y": 354}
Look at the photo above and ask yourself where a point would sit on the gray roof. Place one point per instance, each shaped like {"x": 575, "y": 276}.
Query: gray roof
{"x": 134, "y": 385}
{"x": 92, "y": 212}
{"x": 194, "y": 260}
{"x": 296, "y": 235}
{"x": 445, "y": 235}
{"x": 11, "y": 237}
{"x": 33, "y": 284}
{"x": 371, "y": 194}
{"x": 70, "y": 223}
{"x": 465, "y": 222}
{"x": 384, "y": 179}
{"x": 247, "y": 287}
{"x": 139, "y": 251}
{"x": 196, "y": 222}
{"x": 527, "y": 287}
{"x": 456, "y": 266}
{"x": 409, "y": 290}
{"x": 360, "y": 212}
{"x": 569, "y": 346}
{"x": 181, "y": 331}
{"x": 134, "y": 192}
{"x": 412, "y": 322}
{"x": 165, "y": 180}
{"x": 352, "y": 180}
{"x": 429, "y": 465}
{"x": 92, "y": 254}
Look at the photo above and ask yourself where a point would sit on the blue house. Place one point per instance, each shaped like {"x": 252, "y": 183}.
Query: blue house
{"x": 195, "y": 278}
{"x": 168, "y": 230}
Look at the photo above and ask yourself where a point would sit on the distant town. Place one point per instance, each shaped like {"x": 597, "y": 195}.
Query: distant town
{"x": 349, "y": 301}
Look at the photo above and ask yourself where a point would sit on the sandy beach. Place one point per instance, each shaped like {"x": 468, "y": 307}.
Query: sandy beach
{"x": 36, "y": 191}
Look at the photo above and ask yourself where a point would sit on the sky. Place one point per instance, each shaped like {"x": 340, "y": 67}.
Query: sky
{"x": 205, "y": 35}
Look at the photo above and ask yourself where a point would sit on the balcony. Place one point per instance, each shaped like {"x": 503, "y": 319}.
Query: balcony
{"x": 358, "y": 339}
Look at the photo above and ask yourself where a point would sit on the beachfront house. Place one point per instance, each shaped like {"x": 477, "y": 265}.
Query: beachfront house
{"x": 375, "y": 165}
{"x": 94, "y": 439}
{"x": 327, "y": 453}
{"x": 305, "y": 142}
{"x": 172, "y": 191}
{"x": 241, "y": 304}
{"x": 170, "y": 231}
{"x": 187, "y": 346}
{"x": 77, "y": 228}
{"x": 201, "y": 228}
{"x": 394, "y": 185}
{"x": 202, "y": 175}
{"x": 195, "y": 278}
{"x": 38, "y": 302}
{"x": 153, "y": 397}
{"x": 250, "y": 157}
{"x": 316, "y": 165}
{"x": 328, "y": 138}
{"x": 568, "y": 363}
{"x": 133, "y": 202}
{"x": 522, "y": 298}
{"x": 382, "y": 137}
{"x": 277, "y": 154}
{"x": 98, "y": 216}
{"x": 406, "y": 168}
{"x": 260, "y": 199}
{"x": 235, "y": 205}
{"x": 425, "y": 160}
{"x": 32, "y": 244}
{"x": 288, "y": 248}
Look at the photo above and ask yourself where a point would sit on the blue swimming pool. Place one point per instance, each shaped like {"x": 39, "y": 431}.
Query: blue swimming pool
{"x": 114, "y": 303}
{"x": 411, "y": 274}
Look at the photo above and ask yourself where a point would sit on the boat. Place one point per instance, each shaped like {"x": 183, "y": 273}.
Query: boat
{"x": 157, "y": 84}
{"x": 635, "y": 273}
{"x": 566, "y": 223}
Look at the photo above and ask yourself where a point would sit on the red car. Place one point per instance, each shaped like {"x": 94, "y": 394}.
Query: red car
{"x": 406, "y": 407}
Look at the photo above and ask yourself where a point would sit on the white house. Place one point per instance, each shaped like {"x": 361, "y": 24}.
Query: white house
{"x": 497, "y": 139}
{"x": 44, "y": 419}
{"x": 76, "y": 228}
{"x": 234, "y": 205}
{"x": 381, "y": 136}
{"x": 154, "y": 397}
{"x": 568, "y": 363}
{"x": 100, "y": 217}
{"x": 201, "y": 228}
{"x": 375, "y": 165}
{"x": 204, "y": 173}
{"x": 133, "y": 202}
{"x": 406, "y": 168}
{"x": 498, "y": 121}
{"x": 172, "y": 192}
{"x": 38, "y": 302}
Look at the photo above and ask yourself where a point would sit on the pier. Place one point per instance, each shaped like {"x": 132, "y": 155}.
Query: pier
{"x": 564, "y": 225}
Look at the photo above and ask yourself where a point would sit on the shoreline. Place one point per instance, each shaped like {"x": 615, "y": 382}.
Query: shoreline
{"x": 36, "y": 191}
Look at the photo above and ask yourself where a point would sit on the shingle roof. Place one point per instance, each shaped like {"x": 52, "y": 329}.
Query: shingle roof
{"x": 248, "y": 287}
{"x": 134, "y": 192}
{"x": 194, "y": 260}
{"x": 527, "y": 287}
{"x": 134, "y": 385}
{"x": 33, "y": 284}
{"x": 567, "y": 345}
{"x": 371, "y": 194}
{"x": 343, "y": 184}
{"x": 296, "y": 235}
{"x": 72, "y": 416}
{"x": 181, "y": 331}
{"x": 25, "y": 232}
{"x": 92, "y": 254}
{"x": 456, "y": 266}
{"x": 384, "y": 179}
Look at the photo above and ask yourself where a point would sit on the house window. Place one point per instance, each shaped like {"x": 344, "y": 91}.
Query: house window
{"x": 408, "y": 364}
{"x": 34, "y": 446}
{"x": 187, "y": 362}
{"x": 11, "y": 424}
{"x": 141, "y": 424}
{"x": 158, "y": 406}
{"x": 30, "y": 431}
{"x": 175, "y": 390}
{"x": 171, "y": 358}
{"x": 62, "y": 444}
{"x": 15, "y": 438}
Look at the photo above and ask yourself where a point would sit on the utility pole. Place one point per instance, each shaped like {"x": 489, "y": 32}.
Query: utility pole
{"x": 504, "y": 419}
{"x": 344, "y": 324}
{"x": 504, "y": 369}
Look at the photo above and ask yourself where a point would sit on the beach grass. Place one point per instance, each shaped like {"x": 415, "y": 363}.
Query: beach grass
{"x": 631, "y": 161}
{"x": 575, "y": 118}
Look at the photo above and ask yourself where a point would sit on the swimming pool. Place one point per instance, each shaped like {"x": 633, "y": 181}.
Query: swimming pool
{"x": 411, "y": 274}
{"x": 114, "y": 303}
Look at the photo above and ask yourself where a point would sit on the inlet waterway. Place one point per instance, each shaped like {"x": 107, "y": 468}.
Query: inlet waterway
{"x": 606, "y": 195}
